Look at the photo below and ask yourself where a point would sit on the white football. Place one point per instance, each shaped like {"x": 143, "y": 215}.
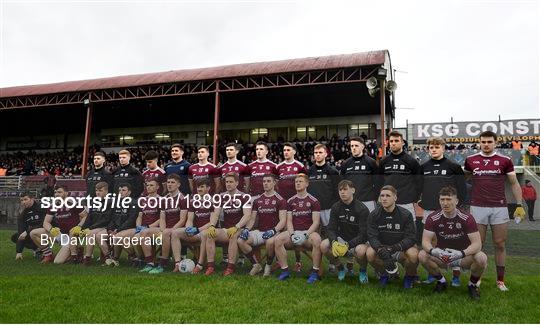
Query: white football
{"x": 186, "y": 266}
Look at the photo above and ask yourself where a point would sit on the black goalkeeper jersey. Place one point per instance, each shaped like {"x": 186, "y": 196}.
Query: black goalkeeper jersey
{"x": 348, "y": 221}
{"x": 390, "y": 228}
{"x": 95, "y": 176}
{"x": 437, "y": 174}
{"x": 401, "y": 171}
{"x": 361, "y": 171}
{"x": 130, "y": 175}
{"x": 323, "y": 182}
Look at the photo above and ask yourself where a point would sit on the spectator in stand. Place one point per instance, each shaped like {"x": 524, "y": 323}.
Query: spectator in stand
{"x": 529, "y": 195}
{"x": 533, "y": 154}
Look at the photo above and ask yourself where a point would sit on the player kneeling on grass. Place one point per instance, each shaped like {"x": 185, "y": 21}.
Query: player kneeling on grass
{"x": 392, "y": 235}
{"x": 149, "y": 225}
{"x": 347, "y": 231}
{"x": 64, "y": 221}
{"x": 303, "y": 221}
{"x": 458, "y": 243}
{"x": 30, "y": 221}
{"x": 94, "y": 228}
{"x": 174, "y": 218}
{"x": 270, "y": 209}
{"x": 122, "y": 227}
{"x": 236, "y": 215}
{"x": 197, "y": 226}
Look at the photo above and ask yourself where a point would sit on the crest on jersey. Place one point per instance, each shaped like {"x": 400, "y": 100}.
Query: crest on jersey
{"x": 402, "y": 167}
{"x": 496, "y": 162}
{"x": 458, "y": 225}
{"x": 443, "y": 172}
{"x": 295, "y": 169}
{"x": 267, "y": 167}
{"x": 398, "y": 226}
{"x": 308, "y": 204}
{"x": 363, "y": 167}
{"x": 274, "y": 202}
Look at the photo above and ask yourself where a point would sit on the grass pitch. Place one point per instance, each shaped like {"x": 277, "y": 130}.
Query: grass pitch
{"x": 30, "y": 292}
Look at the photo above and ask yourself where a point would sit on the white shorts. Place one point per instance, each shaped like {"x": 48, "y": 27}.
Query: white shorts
{"x": 325, "y": 217}
{"x": 410, "y": 207}
{"x": 490, "y": 215}
{"x": 426, "y": 214}
{"x": 256, "y": 237}
{"x": 370, "y": 205}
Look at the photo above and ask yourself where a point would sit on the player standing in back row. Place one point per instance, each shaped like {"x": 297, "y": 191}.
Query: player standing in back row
{"x": 401, "y": 171}
{"x": 204, "y": 169}
{"x": 259, "y": 168}
{"x": 489, "y": 171}
{"x": 233, "y": 165}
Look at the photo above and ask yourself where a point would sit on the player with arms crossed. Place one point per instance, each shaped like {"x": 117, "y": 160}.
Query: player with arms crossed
{"x": 270, "y": 210}
{"x": 236, "y": 215}
{"x": 458, "y": 243}
{"x": 489, "y": 171}
{"x": 347, "y": 231}
{"x": 391, "y": 236}
{"x": 303, "y": 221}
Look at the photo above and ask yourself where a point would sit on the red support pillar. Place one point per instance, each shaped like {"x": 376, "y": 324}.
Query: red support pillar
{"x": 89, "y": 113}
{"x": 383, "y": 123}
{"x": 216, "y": 125}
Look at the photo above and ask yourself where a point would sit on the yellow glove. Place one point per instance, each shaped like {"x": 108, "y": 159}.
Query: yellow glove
{"x": 55, "y": 231}
{"x": 335, "y": 244}
{"x": 75, "y": 231}
{"x": 85, "y": 232}
{"x": 212, "y": 232}
{"x": 339, "y": 249}
{"x": 519, "y": 214}
{"x": 231, "y": 231}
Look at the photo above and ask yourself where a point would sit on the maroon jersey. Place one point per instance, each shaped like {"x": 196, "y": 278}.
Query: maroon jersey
{"x": 488, "y": 178}
{"x": 256, "y": 170}
{"x": 150, "y": 215}
{"x": 233, "y": 210}
{"x": 267, "y": 208}
{"x": 198, "y": 171}
{"x": 173, "y": 209}
{"x": 202, "y": 215}
{"x": 65, "y": 218}
{"x": 238, "y": 168}
{"x": 157, "y": 174}
{"x": 302, "y": 211}
{"x": 287, "y": 173}
{"x": 451, "y": 232}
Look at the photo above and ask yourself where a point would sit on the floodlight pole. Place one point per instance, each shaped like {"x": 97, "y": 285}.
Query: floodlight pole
{"x": 89, "y": 113}
{"x": 216, "y": 125}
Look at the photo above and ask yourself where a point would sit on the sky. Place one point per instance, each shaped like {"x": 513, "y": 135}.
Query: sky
{"x": 466, "y": 60}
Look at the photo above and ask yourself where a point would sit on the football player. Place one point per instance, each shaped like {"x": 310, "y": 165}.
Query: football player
{"x": 391, "y": 236}
{"x": 236, "y": 215}
{"x": 64, "y": 221}
{"x": 303, "y": 221}
{"x": 30, "y": 220}
{"x": 347, "y": 231}
{"x": 270, "y": 210}
{"x": 148, "y": 225}
{"x": 197, "y": 224}
{"x": 259, "y": 168}
{"x": 94, "y": 228}
{"x": 204, "y": 169}
{"x": 126, "y": 173}
{"x": 489, "y": 170}
{"x": 458, "y": 243}
{"x": 153, "y": 171}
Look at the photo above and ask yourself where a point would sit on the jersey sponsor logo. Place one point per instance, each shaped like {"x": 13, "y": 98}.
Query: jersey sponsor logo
{"x": 477, "y": 171}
